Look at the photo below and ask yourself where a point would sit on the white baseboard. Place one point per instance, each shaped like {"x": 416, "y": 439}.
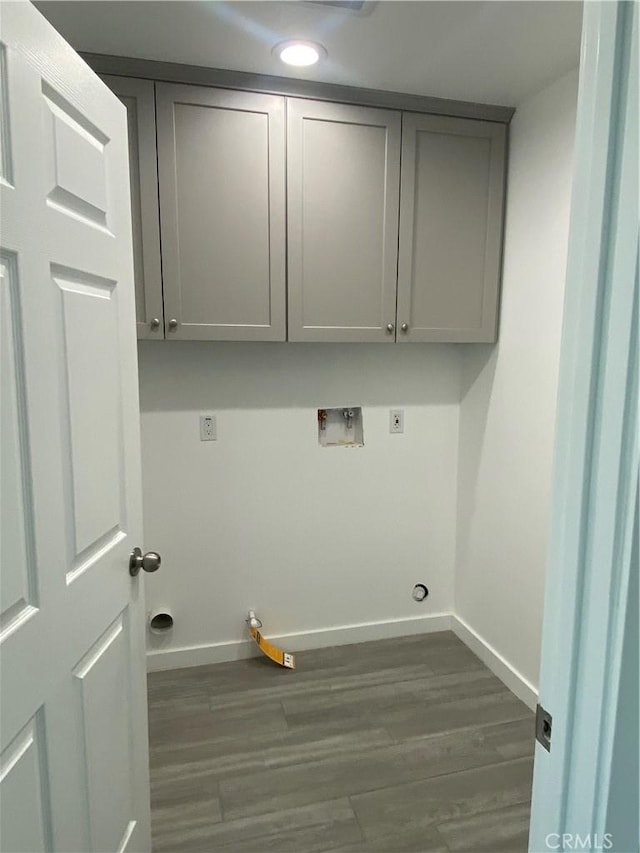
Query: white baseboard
{"x": 168, "y": 658}
{"x": 517, "y": 683}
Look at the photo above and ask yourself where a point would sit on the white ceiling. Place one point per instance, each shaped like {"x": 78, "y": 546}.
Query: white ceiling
{"x": 492, "y": 52}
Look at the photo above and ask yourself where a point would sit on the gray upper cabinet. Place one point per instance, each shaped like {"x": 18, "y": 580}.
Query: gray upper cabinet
{"x": 451, "y": 214}
{"x": 285, "y": 218}
{"x": 138, "y": 98}
{"x": 221, "y": 167}
{"x": 343, "y": 174}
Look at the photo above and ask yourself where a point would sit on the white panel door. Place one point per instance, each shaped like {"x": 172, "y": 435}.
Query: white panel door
{"x": 74, "y": 754}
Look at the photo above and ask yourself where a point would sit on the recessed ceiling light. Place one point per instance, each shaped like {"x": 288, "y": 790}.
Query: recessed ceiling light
{"x": 301, "y": 53}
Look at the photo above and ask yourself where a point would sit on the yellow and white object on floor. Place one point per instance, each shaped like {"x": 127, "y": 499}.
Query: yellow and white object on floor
{"x": 273, "y": 652}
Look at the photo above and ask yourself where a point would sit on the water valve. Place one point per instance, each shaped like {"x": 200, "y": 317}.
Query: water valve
{"x": 420, "y": 592}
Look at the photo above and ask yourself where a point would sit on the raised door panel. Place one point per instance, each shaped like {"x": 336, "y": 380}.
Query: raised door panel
{"x": 26, "y": 819}
{"x": 451, "y": 212}
{"x": 139, "y": 98}
{"x": 222, "y": 207}
{"x": 343, "y": 170}
{"x": 18, "y": 591}
{"x": 103, "y": 694}
{"x": 92, "y": 422}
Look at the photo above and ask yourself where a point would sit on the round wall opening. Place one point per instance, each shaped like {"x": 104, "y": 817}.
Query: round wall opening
{"x": 161, "y": 622}
{"x": 420, "y": 592}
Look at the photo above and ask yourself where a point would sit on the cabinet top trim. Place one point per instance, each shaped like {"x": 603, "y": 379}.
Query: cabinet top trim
{"x": 173, "y": 72}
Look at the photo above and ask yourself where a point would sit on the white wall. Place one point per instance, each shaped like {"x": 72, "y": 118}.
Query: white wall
{"x": 508, "y": 403}
{"x": 312, "y": 538}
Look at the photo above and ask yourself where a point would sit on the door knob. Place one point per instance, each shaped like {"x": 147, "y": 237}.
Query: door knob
{"x": 155, "y": 324}
{"x": 173, "y": 325}
{"x": 149, "y": 562}
{"x": 390, "y": 327}
{"x": 405, "y": 327}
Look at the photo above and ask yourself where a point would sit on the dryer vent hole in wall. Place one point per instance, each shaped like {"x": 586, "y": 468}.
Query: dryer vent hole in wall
{"x": 160, "y": 622}
{"x": 340, "y": 427}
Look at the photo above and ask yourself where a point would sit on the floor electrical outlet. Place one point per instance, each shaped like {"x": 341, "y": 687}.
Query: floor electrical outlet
{"x": 396, "y": 421}
{"x": 208, "y": 429}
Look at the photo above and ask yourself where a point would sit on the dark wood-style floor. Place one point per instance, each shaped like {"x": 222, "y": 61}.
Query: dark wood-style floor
{"x": 398, "y": 745}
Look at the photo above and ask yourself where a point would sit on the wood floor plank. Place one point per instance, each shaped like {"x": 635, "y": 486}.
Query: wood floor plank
{"x": 427, "y": 718}
{"x": 515, "y": 739}
{"x": 178, "y": 827}
{"x": 421, "y": 841}
{"x": 311, "y": 692}
{"x": 311, "y": 829}
{"x": 316, "y": 781}
{"x": 518, "y": 739}
{"x": 394, "y": 810}
{"x": 247, "y": 755}
{"x": 349, "y": 700}
{"x": 206, "y": 726}
{"x": 502, "y": 831}
{"x": 382, "y": 703}
{"x": 169, "y": 790}
{"x": 346, "y": 775}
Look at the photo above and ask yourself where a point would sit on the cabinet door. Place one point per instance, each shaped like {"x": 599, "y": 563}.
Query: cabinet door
{"x": 451, "y": 210}
{"x": 343, "y": 165}
{"x": 222, "y": 213}
{"x": 138, "y": 98}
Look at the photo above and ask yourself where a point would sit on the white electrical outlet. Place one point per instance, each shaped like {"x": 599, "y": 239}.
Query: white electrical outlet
{"x": 208, "y": 428}
{"x": 396, "y": 421}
